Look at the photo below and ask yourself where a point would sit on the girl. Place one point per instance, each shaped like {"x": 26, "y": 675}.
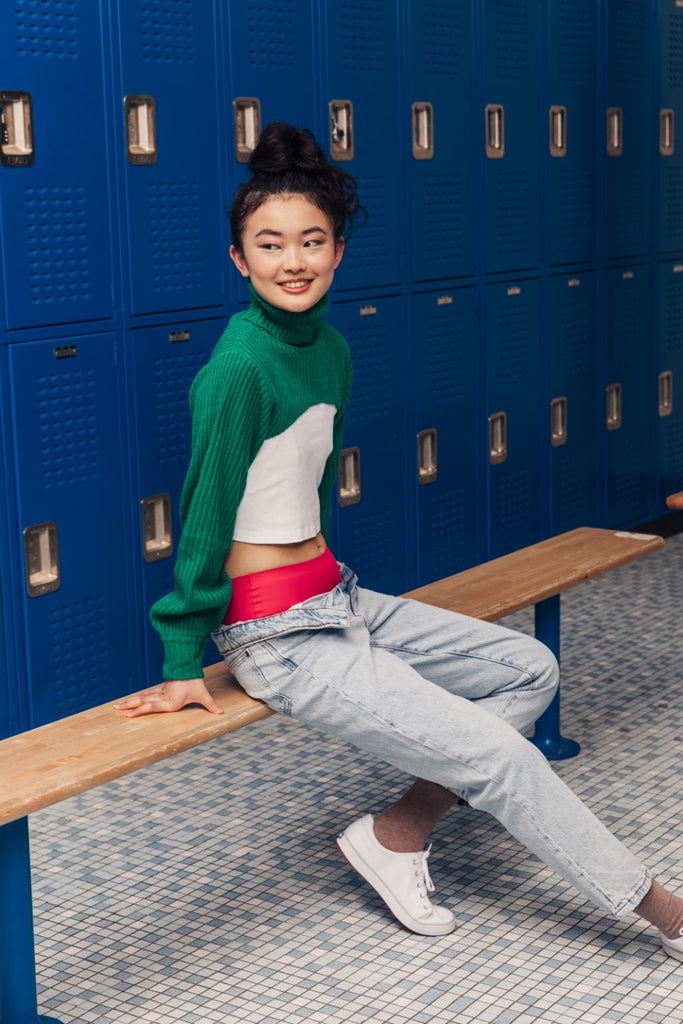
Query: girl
{"x": 443, "y": 697}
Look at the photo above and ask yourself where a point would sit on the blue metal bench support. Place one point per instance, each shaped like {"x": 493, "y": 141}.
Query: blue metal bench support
{"x": 18, "y": 994}
{"x": 547, "y": 736}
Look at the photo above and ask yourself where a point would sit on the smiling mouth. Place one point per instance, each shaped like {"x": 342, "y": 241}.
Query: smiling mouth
{"x": 295, "y": 286}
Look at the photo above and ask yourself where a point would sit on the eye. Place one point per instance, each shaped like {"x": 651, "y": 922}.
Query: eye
{"x": 268, "y": 246}
{"x": 313, "y": 242}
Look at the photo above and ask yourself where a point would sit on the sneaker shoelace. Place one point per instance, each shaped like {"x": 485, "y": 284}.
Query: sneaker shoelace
{"x": 424, "y": 881}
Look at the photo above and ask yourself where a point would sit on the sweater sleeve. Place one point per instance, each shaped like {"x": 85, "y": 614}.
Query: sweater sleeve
{"x": 326, "y": 488}
{"x": 230, "y": 416}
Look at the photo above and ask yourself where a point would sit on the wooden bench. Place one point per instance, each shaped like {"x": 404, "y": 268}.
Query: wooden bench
{"x": 55, "y": 761}
{"x": 675, "y": 501}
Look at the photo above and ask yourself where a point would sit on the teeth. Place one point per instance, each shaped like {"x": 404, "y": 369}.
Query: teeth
{"x": 294, "y": 284}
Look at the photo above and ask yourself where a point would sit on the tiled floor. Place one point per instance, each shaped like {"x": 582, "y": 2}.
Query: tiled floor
{"x": 208, "y": 888}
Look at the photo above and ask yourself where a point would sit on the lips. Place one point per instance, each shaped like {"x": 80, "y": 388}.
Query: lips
{"x": 294, "y": 286}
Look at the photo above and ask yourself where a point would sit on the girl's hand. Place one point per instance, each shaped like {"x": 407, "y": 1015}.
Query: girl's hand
{"x": 172, "y": 695}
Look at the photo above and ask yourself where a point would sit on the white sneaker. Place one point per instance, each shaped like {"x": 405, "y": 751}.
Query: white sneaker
{"x": 401, "y": 879}
{"x": 674, "y": 947}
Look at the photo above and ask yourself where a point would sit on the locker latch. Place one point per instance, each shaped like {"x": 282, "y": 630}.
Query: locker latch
{"x": 614, "y": 407}
{"x": 498, "y": 438}
{"x": 341, "y": 130}
{"x": 423, "y": 131}
{"x": 157, "y": 527}
{"x": 41, "y": 559}
{"x": 558, "y": 131}
{"x": 16, "y": 129}
{"x": 349, "y": 477}
{"x": 495, "y": 131}
{"x": 666, "y": 132}
{"x": 141, "y": 129}
{"x": 558, "y": 420}
{"x": 615, "y": 131}
{"x": 666, "y": 393}
{"x": 247, "y": 118}
{"x": 427, "y": 457}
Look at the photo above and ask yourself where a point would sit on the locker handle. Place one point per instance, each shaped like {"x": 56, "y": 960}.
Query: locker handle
{"x": 341, "y": 130}
{"x": 157, "y": 527}
{"x": 558, "y": 420}
{"x": 427, "y": 457}
{"x": 666, "y": 132}
{"x": 666, "y": 393}
{"x": 558, "y": 131}
{"x": 615, "y": 131}
{"x": 247, "y": 119}
{"x": 498, "y": 439}
{"x": 495, "y": 131}
{"x": 349, "y": 477}
{"x": 423, "y": 131}
{"x": 614, "y": 407}
{"x": 16, "y": 129}
{"x": 141, "y": 129}
{"x": 41, "y": 559}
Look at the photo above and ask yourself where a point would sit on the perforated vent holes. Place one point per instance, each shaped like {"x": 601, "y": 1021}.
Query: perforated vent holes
{"x": 371, "y": 370}
{"x": 446, "y": 377}
{"x": 46, "y": 29}
{"x": 574, "y": 348}
{"x": 444, "y": 217}
{"x": 442, "y": 39}
{"x": 175, "y": 236}
{"x": 80, "y": 655}
{"x": 172, "y": 377}
{"x": 167, "y": 31}
{"x": 56, "y": 236}
{"x": 68, "y": 427}
{"x": 576, "y": 28}
{"x": 362, "y": 42}
{"x": 270, "y": 33}
{"x": 512, "y": 39}
{"x": 675, "y": 54}
{"x": 630, "y": 54}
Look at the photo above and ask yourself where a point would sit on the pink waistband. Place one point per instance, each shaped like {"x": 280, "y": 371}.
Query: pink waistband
{"x": 259, "y": 594}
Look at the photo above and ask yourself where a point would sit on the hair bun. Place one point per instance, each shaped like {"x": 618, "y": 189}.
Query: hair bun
{"x": 282, "y": 147}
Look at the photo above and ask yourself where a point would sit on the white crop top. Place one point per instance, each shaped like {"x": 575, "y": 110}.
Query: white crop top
{"x": 280, "y": 504}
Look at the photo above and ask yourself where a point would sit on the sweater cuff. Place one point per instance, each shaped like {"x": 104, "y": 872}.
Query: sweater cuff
{"x": 184, "y": 658}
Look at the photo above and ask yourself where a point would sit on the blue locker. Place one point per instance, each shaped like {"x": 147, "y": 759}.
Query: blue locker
{"x": 10, "y": 710}
{"x": 55, "y": 216}
{"x": 573, "y": 404}
{"x": 630, "y": 395}
{"x": 670, "y": 379}
{"x": 669, "y": 71}
{"x": 509, "y": 135}
{"x": 361, "y": 77}
{"x": 373, "y": 535}
{"x": 272, "y": 77}
{"x": 570, "y": 112}
{"x": 163, "y": 362}
{"x": 69, "y": 554}
{"x": 439, "y": 103}
{"x": 446, "y": 446}
{"x": 629, "y": 131}
{"x": 170, "y": 156}
{"x": 517, "y": 479}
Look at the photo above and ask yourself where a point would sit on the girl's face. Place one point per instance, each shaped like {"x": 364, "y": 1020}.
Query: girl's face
{"x": 289, "y": 252}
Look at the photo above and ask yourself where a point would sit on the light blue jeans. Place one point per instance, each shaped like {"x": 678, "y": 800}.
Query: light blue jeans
{"x": 442, "y": 697}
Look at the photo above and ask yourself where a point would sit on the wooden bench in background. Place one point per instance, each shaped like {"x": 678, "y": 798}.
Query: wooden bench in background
{"x": 48, "y": 764}
{"x": 675, "y": 501}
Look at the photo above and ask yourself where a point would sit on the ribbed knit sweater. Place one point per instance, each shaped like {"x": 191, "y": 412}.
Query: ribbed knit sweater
{"x": 267, "y": 369}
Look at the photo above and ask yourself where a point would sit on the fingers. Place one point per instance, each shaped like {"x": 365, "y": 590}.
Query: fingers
{"x": 168, "y": 697}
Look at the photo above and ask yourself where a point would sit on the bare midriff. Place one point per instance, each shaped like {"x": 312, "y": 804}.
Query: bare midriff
{"x": 245, "y": 558}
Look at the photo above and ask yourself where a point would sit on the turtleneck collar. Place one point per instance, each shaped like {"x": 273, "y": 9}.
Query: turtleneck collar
{"x": 292, "y": 328}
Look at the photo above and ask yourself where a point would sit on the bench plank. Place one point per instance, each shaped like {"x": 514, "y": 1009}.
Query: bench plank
{"x": 95, "y": 746}
{"x": 58, "y": 760}
{"x": 522, "y": 578}
{"x": 675, "y": 500}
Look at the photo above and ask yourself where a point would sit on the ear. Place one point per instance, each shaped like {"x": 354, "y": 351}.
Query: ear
{"x": 239, "y": 261}
{"x": 338, "y": 251}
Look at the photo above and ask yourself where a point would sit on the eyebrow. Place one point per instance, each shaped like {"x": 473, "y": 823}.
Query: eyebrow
{"x": 278, "y": 234}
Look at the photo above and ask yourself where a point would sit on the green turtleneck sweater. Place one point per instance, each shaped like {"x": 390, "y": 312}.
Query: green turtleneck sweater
{"x": 267, "y": 369}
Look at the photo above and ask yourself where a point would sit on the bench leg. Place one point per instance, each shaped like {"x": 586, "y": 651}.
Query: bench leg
{"x": 18, "y": 998}
{"x": 547, "y": 736}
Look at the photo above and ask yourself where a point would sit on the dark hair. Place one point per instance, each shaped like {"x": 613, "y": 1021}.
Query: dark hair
{"x": 288, "y": 161}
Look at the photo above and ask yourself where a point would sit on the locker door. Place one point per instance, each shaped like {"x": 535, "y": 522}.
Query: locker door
{"x": 516, "y": 479}
{"x": 361, "y": 49}
{"x": 55, "y": 218}
{"x": 175, "y": 201}
{"x": 572, "y": 414}
{"x": 446, "y": 443}
{"x": 373, "y": 535}
{"x": 509, "y": 135}
{"x": 628, "y": 128}
{"x": 69, "y": 544}
{"x": 439, "y": 104}
{"x": 163, "y": 363}
{"x": 670, "y": 379}
{"x": 669, "y": 157}
{"x": 570, "y": 113}
{"x": 630, "y": 396}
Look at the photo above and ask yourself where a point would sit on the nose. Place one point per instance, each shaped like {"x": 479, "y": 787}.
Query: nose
{"x": 293, "y": 259}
